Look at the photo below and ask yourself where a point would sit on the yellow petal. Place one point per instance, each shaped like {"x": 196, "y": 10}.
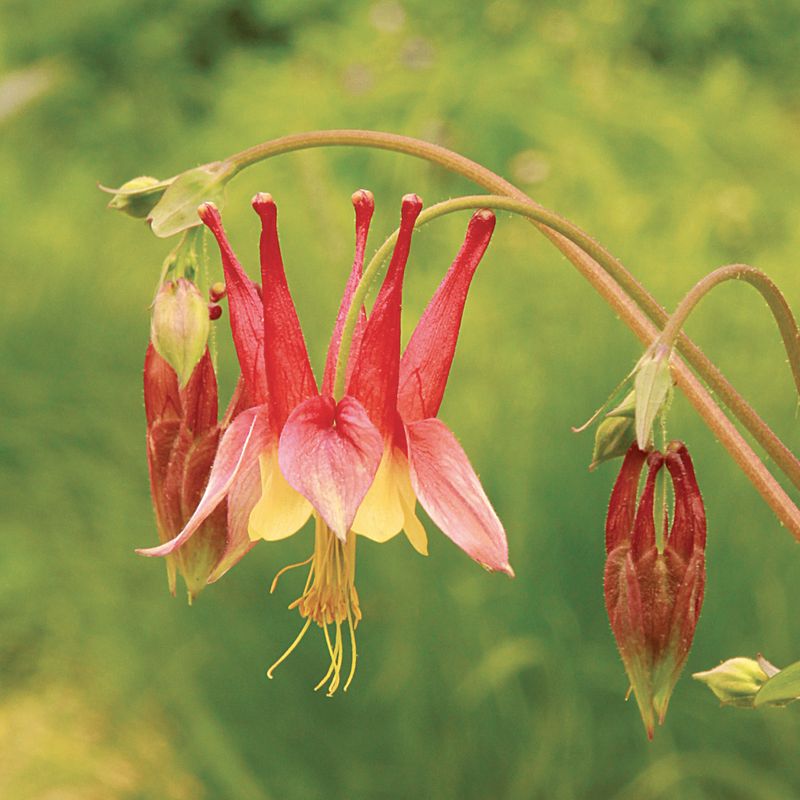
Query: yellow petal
{"x": 388, "y": 507}
{"x": 281, "y": 511}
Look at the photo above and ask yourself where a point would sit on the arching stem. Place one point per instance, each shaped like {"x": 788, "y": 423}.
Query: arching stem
{"x": 770, "y": 490}
{"x": 589, "y": 258}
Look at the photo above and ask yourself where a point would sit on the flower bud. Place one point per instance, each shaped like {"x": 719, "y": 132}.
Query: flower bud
{"x": 735, "y": 681}
{"x": 653, "y": 594}
{"x": 179, "y": 326}
{"x": 176, "y": 211}
{"x": 137, "y": 197}
{"x": 616, "y": 433}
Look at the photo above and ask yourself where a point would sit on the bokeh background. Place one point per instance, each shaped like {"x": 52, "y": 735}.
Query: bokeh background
{"x": 671, "y": 132}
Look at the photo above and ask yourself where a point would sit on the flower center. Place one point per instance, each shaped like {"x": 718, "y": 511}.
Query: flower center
{"x": 329, "y": 599}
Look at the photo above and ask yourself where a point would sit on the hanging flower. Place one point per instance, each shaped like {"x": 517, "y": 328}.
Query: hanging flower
{"x": 359, "y": 462}
{"x": 654, "y": 594}
{"x": 182, "y": 438}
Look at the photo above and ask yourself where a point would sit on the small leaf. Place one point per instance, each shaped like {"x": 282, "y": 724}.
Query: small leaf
{"x": 653, "y": 383}
{"x": 781, "y": 688}
{"x": 177, "y": 209}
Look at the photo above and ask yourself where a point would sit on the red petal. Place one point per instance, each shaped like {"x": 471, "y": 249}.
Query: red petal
{"x": 162, "y": 399}
{"x": 622, "y": 505}
{"x": 329, "y": 453}
{"x": 449, "y": 490}
{"x": 689, "y": 524}
{"x": 245, "y": 309}
{"x": 364, "y": 206}
{"x": 426, "y": 362}
{"x": 199, "y": 397}
{"x": 375, "y": 374}
{"x": 248, "y": 435}
{"x": 289, "y": 374}
{"x": 644, "y": 528}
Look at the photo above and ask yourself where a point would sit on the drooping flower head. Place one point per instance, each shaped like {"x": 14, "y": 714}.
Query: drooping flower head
{"x": 182, "y": 438}
{"x": 654, "y": 594}
{"x": 359, "y": 462}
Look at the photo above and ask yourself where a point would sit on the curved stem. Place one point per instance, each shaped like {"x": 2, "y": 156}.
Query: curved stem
{"x": 769, "y": 291}
{"x": 587, "y": 260}
{"x": 770, "y": 490}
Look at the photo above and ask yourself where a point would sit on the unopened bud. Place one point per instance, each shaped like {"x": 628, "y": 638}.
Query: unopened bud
{"x": 217, "y": 292}
{"x": 735, "y": 682}
{"x": 214, "y": 311}
{"x": 137, "y": 197}
{"x": 179, "y": 326}
{"x": 616, "y": 433}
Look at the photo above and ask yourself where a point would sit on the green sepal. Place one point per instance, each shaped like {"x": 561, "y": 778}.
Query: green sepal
{"x": 177, "y": 209}
{"x": 780, "y": 689}
{"x": 652, "y": 386}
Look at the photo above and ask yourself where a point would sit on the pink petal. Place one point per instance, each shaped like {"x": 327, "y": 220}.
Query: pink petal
{"x": 375, "y": 374}
{"x": 425, "y": 365}
{"x": 248, "y": 435}
{"x": 289, "y": 374}
{"x": 245, "y": 310}
{"x": 242, "y": 497}
{"x": 449, "y": 490}
{"x": 364, "y": 205}
{"x": 329, "y": 453}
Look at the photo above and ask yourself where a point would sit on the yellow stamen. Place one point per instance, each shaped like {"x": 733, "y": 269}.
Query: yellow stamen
{"x": 285, "y": 570}
{"x": 329, "y": 598}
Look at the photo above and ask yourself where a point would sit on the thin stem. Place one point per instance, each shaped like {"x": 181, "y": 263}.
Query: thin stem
{"x": 588, "y": 260}
{"x": 770, "y": 490}
{"x": 769, "y": 291}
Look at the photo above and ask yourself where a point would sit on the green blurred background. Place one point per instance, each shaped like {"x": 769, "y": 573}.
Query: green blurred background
{"x": 668, "y": 131}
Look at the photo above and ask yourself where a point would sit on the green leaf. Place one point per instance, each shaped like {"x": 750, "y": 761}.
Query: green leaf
{"x": 177, "y": 209}
{"x": 781, "y": 688}
{"x": 652, "y": 385}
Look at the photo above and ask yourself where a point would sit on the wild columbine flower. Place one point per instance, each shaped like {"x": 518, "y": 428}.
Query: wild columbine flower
{"x": 182, "y": 438}
{"x": 653, "y": 595}
{"x": 358, "y": 462}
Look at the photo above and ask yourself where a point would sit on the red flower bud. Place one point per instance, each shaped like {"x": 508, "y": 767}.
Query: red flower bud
{"x": 654, "y": 593}
{"x": 182, "y": 438}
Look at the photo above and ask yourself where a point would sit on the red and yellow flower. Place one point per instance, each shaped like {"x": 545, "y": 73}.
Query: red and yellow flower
{"x": 360, "y": 462}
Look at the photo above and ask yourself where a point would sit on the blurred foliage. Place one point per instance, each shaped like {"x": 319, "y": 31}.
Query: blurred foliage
{"x": 669, "y": 131}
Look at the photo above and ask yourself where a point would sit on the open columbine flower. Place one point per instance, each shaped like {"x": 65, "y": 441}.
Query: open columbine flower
{"x": 654, "y": 595}
{"x": 359, "y": 462}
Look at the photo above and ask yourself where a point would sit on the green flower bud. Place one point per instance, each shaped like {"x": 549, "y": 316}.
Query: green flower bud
{"x": 736, "y": 682}
{"x": 176, "y": 211}
{"x": 616, "y": 433}
{"x": 137, "y": 197}
{"x": 179, "y": 326}
{"x": 613, "y": 438}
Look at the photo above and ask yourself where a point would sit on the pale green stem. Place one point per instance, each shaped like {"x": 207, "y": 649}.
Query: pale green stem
{"x": 770, "y": 490}
{"x": 589, "y": 259}
{"x": 787, "y": 325}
